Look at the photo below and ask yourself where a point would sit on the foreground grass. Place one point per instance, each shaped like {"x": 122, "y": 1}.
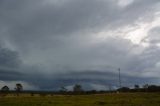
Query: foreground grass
{"x": 123, "y": 99}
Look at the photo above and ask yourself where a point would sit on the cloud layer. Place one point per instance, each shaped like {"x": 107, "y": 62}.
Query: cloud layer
{"x": 80, "y": 41}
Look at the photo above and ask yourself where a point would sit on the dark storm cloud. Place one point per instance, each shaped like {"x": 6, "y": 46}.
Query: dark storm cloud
{"x": 10, "y": 75}
{"x": 50, "y": 38}
{"x": 9, "y": 58}
{"x": 87, "y": 78}
{"x": 9, "y": 64}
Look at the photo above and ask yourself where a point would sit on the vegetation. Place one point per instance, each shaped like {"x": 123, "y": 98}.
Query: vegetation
{"x": 149, "y": 95}
{"x": 110, "y": 99}
{"x": 5, "y": 89}
{"x": 77, "y": 88}
{"x": 19, "y": 87}
{"x": 63, "y": 89}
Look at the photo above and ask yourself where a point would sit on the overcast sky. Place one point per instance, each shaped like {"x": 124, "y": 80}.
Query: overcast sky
{"x": 46, "y": 44}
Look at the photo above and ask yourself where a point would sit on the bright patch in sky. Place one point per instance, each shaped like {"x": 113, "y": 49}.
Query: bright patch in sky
{"x": 141, "y": 31}
{"x": 135, "y": 33}
{"x": 124, "y": 3}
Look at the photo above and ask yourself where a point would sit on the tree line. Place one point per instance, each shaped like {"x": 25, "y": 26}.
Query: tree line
{"x": 77, "y": 89}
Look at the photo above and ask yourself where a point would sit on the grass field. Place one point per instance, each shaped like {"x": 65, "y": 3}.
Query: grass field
{"x": 122, "y": 99}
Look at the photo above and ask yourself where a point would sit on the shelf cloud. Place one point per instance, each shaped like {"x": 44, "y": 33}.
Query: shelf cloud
{"x": 54, "y": 43}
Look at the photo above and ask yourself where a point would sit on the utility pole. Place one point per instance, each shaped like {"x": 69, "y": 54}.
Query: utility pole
{"x": 119, "y": 70}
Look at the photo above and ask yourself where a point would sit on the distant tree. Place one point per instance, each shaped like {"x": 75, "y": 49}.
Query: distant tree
{"x": 77, "y": 88}
{"x": 5, "y": 89}
{"x": 18, "y": 88}
{"x": 93, "y": 91}
{"x": 153, "y": 88}
{"x": 63, "y": 89}
{"x": 136, "y": 87}
{"x": 124, "y": 89}
{"x": 145, "y": 86}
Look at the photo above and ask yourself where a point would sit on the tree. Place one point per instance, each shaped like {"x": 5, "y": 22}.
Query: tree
{"x": 153, "y": 88}
{"x": 63, "y": 89}
{"x": 19, "y": 87}
{"x": 123, "y": 89}
{"x": 77, "y": 88}
{"x": 145, "y": 86}
{"x": 136, "y": 86}
{"x": 5, "y": 89}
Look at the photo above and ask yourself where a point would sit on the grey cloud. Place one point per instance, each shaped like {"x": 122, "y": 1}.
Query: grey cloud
{"x": 10, "y": 75}
{"x": 32, "y": 20}
{"x": 10, "y": 64}
{"x": 153, "y": 36}
{"x": 88, "y": 77}
{"x": 57, "y": 37}
{"x": 9, "y": 58}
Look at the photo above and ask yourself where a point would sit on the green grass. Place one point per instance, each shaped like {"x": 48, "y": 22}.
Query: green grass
{"x": 123, "y": 99}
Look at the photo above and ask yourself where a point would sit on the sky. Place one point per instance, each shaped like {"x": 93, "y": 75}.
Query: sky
{"x": 47, "y": 44}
